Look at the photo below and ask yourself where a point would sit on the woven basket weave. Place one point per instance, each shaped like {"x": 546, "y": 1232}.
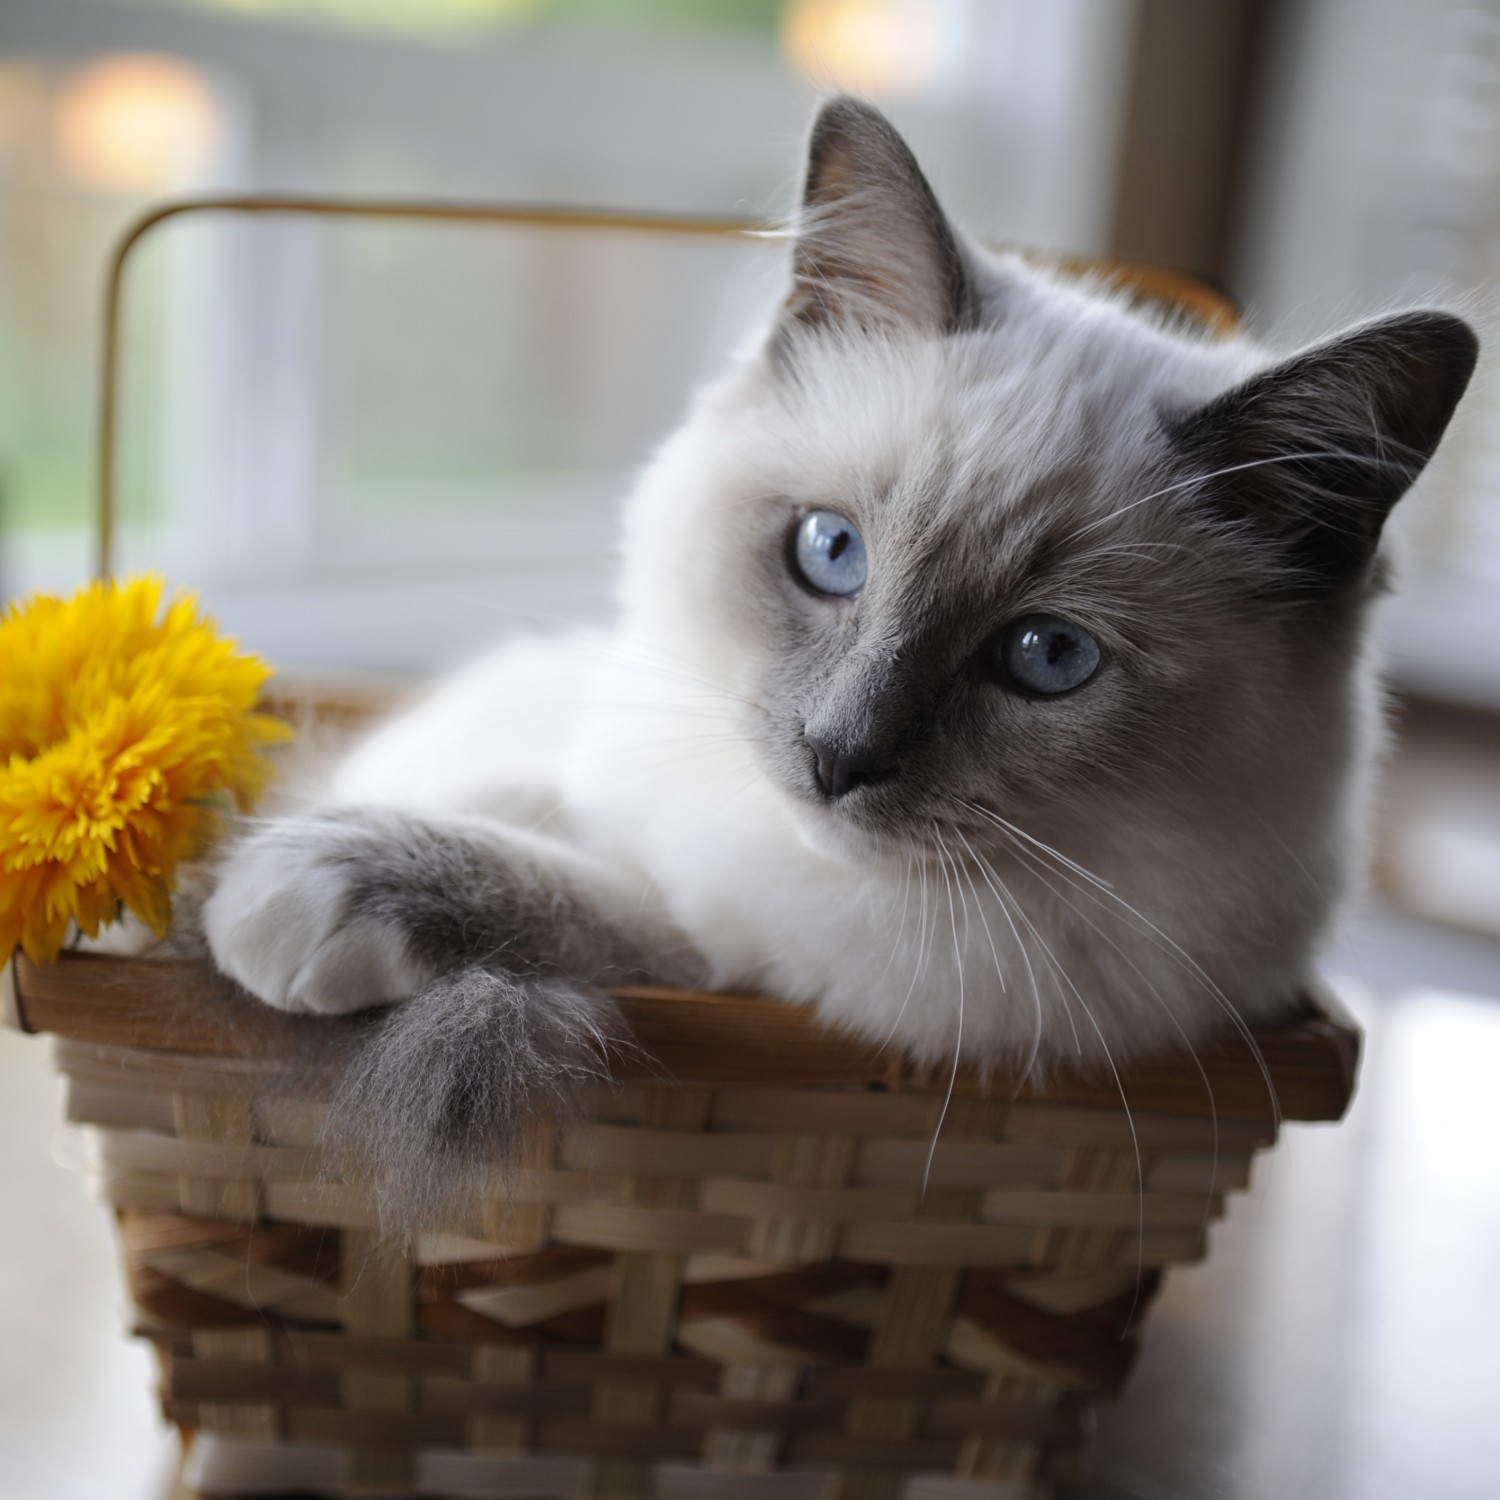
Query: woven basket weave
{"x": 733, "y": 1276}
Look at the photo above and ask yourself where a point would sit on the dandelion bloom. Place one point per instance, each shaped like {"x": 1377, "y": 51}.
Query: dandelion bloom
{"x": 126, "y": 730}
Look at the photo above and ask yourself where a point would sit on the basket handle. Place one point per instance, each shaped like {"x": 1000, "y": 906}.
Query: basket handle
{"x": 1178, "y": 289}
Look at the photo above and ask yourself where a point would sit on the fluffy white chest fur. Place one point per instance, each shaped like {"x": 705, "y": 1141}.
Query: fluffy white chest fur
{"x": 609, "y": 747}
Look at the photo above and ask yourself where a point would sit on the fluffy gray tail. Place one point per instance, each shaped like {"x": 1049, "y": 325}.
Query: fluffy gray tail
{"x": 432, "y": 1098}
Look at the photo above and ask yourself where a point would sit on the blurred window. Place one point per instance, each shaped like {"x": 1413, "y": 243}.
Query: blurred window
{"x": 1378, "y": 184}
{"x": 465, "y": 18}
{"x": 81, "y": 147}
{"x": 381, "y": 444}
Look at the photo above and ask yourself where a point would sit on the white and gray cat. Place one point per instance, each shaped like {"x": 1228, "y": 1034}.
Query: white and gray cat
{"x": 990, "y": 671}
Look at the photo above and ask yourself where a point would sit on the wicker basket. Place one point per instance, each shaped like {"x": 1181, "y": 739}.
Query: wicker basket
{"x": 734, "y": 1276}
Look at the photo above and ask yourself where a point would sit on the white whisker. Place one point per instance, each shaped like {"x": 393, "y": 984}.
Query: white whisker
{"x": 958, "y": 1041}
{"x": 1038, "y": 873}
{"x": 1200, "y": 479}
{"x": 997, "y": 886}
{"x": 920, "y": 963}
{"x": 1140, "y": 1171}
{"x": 1170, "y": 945}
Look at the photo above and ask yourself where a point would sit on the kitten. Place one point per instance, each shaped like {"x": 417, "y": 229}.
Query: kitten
{"x": 990, "y": 672}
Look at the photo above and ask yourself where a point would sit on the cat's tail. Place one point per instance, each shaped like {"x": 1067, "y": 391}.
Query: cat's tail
{"x": 433, "y": 1098}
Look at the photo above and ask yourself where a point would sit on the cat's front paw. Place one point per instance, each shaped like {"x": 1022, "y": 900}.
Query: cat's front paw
{"x": 285, "y": 919}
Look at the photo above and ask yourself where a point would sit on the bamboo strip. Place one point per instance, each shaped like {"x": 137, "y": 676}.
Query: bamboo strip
{"x": 882, "y": 1162}
{"x": 643, "y": 1298}
{"x": 708, "y": 1039}
{"x": 86, "y": 1102}
{"x": 916, "y": 1313}
{"x": 518, "y": 1306}
{"x": 522, "y": 1220}
{"x": 1128, "y": 1209}
{"x": 212, "y": 1144}
{"x": 508, "y": 1390}
{"x": 594, "y": 1148}
{"x": 1012, "y": 1450}
{"x": 515, "y": 1370}
{"x": 256, "y": 1421}
{"x": 792, "y": 1217}
{"x": 376, "y": 1302}
{"x": 690, "y": 1482}
{"x": 804, "y": 1164}
{"x": 223, "y": 1122}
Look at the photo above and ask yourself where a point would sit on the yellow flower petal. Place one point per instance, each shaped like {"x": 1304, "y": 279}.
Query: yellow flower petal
{"x": 123, "y": 729}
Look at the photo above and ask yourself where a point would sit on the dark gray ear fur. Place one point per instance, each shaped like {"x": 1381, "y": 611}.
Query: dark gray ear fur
{"x": 873, "y": 247}
{"x": 1314, "y": 452}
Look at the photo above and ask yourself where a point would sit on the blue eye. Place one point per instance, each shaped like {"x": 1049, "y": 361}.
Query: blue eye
{"x": 1047, "y": 654}
{"x": 830, "y": 554}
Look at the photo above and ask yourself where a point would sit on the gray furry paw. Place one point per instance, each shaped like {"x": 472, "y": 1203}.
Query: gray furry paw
{"x": 286, "y": 921}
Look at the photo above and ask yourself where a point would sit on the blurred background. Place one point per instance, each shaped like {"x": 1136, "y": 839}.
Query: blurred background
{"x": 373, "y": 447}
{"x": 315, "y": 417}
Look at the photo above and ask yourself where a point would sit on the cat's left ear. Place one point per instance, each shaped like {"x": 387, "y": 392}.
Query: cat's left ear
{"x": 1314, "y": 452}
{"x": 873, "y": 248}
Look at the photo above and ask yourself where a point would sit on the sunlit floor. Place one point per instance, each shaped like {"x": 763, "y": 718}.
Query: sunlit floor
{"x": 1338, "y": 1345}
{"x": 1340, "y": 1342}
{"x": 77, "y": 1413}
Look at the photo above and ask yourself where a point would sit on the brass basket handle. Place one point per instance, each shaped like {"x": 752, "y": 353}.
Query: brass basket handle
{"x": 1177, "y": 289}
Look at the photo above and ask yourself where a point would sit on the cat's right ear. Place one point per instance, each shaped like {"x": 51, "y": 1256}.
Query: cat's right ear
{"x": 1313, "y": 453}
{"x": 873, "y": 248}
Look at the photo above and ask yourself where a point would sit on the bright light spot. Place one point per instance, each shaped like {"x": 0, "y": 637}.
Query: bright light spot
{"x": 137, "y": 123}
{"x": 867, "y": 46}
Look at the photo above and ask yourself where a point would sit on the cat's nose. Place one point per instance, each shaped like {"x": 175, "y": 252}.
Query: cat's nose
{"x": 840, "y": 769}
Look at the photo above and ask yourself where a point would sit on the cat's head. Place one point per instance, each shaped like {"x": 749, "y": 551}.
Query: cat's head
{"x": 980, "y": 541}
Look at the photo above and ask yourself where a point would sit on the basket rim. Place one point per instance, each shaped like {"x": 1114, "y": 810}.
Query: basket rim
{"x": 1304, "y": 1070}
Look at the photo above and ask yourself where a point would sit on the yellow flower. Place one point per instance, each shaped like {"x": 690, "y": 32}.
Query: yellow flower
{"x": 125, "y": 733}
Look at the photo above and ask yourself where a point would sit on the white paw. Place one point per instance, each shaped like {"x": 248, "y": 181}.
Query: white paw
{"x": 280, "y": 922}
